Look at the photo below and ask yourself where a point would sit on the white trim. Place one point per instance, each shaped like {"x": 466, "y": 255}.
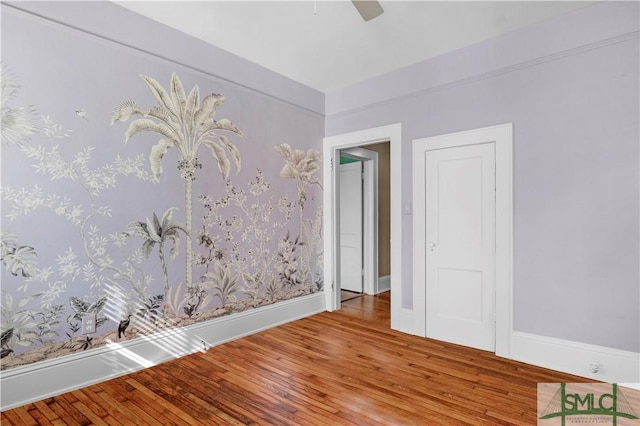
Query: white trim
{"x": 393, "y": 134}
{"x": 370, "y": 194}
{"x": 502, "y": 135}
{"x": 384, "y": 283}
{"x": 370, "y": 215}
{"x": 615, "y": 366}
{"x": 34, "y": 382}
{"x": 405, "y": 322}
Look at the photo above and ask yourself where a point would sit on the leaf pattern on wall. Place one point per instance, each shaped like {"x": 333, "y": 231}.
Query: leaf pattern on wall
{"x": 16, "y": 258}
{"x": 17, "y": 122}
{"x": 249, "y": 252}
{"x": 157, "y": 232}
{"x": 185, "y": 125}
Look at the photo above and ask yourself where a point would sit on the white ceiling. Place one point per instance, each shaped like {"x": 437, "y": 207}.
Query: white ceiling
{"x": 333, "y": 47}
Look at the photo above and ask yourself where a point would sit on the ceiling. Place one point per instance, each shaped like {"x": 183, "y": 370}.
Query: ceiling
{"x": 326, "y": 44}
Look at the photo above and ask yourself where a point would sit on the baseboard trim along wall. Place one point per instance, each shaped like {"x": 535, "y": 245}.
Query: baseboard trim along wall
{"x": 612, "y": 365}
{"x": 34, "y": 382}
{"x": 384, "y": 283}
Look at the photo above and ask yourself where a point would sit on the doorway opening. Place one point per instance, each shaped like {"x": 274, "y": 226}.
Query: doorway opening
{"x": 357, "y": 220}
{"x": 332, "y": 148}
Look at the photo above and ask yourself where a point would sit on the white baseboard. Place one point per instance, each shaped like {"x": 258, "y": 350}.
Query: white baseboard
{"x": 615, "y": 366}
{"x": 22, "y": 385}
{"x": 384, "y": 283}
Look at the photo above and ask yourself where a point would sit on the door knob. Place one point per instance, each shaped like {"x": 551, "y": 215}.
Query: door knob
{"x": 431, "y": 245}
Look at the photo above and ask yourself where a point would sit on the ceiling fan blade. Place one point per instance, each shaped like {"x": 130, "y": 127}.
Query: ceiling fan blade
{"x": 368, "y": 9}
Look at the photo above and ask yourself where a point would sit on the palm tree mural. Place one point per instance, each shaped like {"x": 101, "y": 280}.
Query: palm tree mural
{"x": 157, "y": 232}
{"x": 186, "y": 125}
{"x": 302, "y": 166}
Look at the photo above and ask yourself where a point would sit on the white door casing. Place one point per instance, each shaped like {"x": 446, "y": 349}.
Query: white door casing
{"x": 501, "y": 137}
{"x": 459, "y": 197}
{"x": 350, "y": 189}
{"x": 401, "y": 319}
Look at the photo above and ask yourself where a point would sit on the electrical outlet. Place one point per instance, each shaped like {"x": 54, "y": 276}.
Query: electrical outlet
{"x": 88, "y": 323}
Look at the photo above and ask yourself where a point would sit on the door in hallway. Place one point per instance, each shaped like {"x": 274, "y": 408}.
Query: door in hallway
{"x": 351, "y": 226}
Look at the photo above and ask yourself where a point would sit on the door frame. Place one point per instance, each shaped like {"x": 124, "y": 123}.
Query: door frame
{"x": 502, "y": 136}
{"x": 330, "y": 155}
{"x": 369, "y": 161}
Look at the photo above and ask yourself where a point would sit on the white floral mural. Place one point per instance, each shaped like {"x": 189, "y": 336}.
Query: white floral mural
{"x": 159, "y": 228}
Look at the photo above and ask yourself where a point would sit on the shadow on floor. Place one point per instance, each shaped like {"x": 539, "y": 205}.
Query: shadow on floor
{"x": 348, "y": 295}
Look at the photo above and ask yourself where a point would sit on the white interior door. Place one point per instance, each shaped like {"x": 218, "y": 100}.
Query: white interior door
{"x": 459, "y": 196}
{"x": 351, "y": 226}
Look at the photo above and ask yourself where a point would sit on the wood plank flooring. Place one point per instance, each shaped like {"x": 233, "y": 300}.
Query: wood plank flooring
{"x": 340, "y": 368}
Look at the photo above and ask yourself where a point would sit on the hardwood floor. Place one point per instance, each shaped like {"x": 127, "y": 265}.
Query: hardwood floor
{"x": 340, "y": 368}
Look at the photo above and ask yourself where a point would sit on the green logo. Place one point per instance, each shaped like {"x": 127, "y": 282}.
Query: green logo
{"x": 586, "y": 403}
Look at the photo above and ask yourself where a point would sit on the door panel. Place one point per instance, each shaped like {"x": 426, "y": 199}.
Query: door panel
{"x": 460, "y": 237}
{"x": 451, "y": 284}
{"x": 459, "y": 220}
{"x": 351, "y": 227}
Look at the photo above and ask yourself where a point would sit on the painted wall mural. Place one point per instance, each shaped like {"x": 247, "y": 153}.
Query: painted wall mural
{"x": 165, "y": 229}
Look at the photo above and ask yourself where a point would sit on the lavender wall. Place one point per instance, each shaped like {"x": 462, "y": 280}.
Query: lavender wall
{"x": 570, "y": 87}
{"x": 78, "y": 203}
